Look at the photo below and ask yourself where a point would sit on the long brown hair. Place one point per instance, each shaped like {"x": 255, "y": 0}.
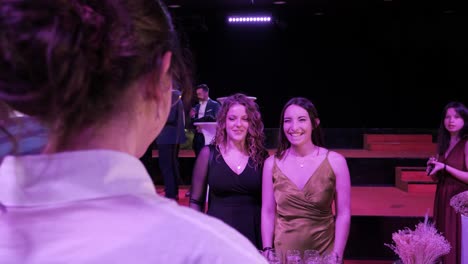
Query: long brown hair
{"x": 317, "y": 134}
{"x": 255, "y": 139}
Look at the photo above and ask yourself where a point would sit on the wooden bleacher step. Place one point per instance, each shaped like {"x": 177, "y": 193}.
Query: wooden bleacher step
{"x": 399, "y": 142}
{"x": 413, "y": 179}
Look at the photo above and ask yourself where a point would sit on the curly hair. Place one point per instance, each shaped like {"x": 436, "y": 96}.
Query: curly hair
{"x": 255, "y": 139}
{"x": 70, "y": 63}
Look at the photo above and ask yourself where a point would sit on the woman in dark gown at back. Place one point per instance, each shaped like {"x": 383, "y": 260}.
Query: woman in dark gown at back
{"x": 232, "y": 168}
{"x": 450, "y": 170}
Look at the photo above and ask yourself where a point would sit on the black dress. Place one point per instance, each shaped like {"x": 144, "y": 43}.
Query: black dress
{"x": 236, "y": 199}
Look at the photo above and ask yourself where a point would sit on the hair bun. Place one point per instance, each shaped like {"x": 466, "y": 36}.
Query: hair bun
{"x": 93, "y": 23}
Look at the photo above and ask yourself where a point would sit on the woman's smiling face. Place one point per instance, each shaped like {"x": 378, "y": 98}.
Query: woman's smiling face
{"x": 237, "y": 123}
{"x": 297, "y": 125}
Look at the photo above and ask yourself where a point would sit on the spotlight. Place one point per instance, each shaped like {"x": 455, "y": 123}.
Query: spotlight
{"x": 249, "y": 19}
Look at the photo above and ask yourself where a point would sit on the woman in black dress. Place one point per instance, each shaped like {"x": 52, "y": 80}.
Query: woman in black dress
{"x": 232, "y": 168}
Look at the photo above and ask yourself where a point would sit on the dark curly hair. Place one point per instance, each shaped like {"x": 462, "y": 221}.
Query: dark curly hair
{"x": 255, "y": 139}
{"x": 70, "y": 63}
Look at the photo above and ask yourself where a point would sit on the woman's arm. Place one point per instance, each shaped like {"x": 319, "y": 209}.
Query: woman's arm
{"x": 342, "y": 202}
{"x": 456, "y": 173}
{"x": 200, "y": 180}
{"x": 268, "y": 204}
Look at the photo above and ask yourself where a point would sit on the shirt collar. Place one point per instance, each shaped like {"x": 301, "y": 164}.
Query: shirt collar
{"x": 204, "y": 102}
{"x": 70, "y": 176}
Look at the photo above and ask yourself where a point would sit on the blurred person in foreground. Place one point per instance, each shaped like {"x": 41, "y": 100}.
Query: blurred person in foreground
{"x": 99, "y": 75}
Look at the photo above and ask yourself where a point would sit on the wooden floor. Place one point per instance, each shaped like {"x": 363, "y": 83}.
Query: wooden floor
{"x": 348, "y": 153}
{"x": 370, "y": 201}
{"x": 368, "y": 261}
{"x": 390, "y": 201}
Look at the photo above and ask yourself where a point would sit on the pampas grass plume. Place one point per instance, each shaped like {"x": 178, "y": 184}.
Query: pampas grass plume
{"x": 459, "y": 202}
{"x": 423, "y": 245}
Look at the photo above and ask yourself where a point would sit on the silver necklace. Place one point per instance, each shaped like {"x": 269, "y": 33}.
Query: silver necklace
{"x": 237, "y": 162}
{"x": 301, "y": 161}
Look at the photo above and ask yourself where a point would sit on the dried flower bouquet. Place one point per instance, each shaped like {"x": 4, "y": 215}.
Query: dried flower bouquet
{"x": 424, "y": 245}
{"x": 459, "y": 202}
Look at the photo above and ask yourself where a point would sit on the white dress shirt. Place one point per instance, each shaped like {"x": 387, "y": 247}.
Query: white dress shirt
{"x": 202, "y": 109}
{"x": 100, "y": 207}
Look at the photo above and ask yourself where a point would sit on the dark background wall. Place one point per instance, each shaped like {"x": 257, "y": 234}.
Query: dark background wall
{"x": 365, "y": 64}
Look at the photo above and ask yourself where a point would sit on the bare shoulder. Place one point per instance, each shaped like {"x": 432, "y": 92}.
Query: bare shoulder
{"x": 340, "y": 167}
{"x": 336, "y": 157}
{"x": 337, "y": 162}
{"x": 269, "y": 161}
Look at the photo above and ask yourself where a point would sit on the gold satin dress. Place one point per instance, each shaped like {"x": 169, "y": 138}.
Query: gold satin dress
{"x": 304, "y": 218}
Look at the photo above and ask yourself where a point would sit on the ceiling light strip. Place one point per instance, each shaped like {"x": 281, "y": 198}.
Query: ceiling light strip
{"x": 249, "y": 19}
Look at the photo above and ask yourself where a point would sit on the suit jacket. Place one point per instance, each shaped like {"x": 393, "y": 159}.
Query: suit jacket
{"x": 30, "y": 136}
{"x": 174, "y": 129}
{"x": 211, "y": 110}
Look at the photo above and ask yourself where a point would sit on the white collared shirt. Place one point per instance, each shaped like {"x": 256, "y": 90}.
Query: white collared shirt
{"x": 202, "y": 109}
{"x": 100, "y": 206}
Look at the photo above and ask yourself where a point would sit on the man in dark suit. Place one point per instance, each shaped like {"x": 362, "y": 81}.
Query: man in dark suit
{"x": 168, "y": 144}
{"x": 205, "y": 111}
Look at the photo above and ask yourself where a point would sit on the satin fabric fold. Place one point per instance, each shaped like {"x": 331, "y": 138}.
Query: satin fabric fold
{"x": 304, "y": 218}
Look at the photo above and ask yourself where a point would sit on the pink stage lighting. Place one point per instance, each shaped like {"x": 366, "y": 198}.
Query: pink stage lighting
{"x": 249, "y": 19}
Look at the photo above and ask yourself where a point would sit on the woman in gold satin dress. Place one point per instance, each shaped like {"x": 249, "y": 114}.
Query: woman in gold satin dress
{"x": 301, "y": 184}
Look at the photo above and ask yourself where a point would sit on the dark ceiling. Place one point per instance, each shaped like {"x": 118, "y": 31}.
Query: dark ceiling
{"x": 337, "y": 52}
{"x": 236, "y": 4}
{"x": 194, "y": 14}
